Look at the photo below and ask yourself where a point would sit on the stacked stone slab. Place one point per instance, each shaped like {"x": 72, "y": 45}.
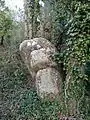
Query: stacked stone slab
{"x": 36, "y": 53}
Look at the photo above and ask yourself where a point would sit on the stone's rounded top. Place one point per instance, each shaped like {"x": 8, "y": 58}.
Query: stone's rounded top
{"x": 37, "y": 53}
{"x": 43, "y": 42}
{"x": 37, "y": 43}
{"x": 24, "y": 44}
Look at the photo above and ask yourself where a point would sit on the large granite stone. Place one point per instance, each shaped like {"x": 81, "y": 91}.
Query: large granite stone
{"x": 36, "y": 54}
{"x": 48, "y": 81}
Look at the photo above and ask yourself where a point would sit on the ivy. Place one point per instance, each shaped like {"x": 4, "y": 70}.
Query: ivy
{"x": 77, "y": 54}
{"x": 73, "y": 53}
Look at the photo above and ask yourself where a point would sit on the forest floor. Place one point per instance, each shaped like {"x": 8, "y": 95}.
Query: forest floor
{"x": 17, "y": 100}
{"x": 13, "y": 81}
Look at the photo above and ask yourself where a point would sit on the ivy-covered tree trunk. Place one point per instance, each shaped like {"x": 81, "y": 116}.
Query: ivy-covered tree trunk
{"x": 31, "y": 14}
{"x": 37, "y": 19}
{"x": 28, "y": 24}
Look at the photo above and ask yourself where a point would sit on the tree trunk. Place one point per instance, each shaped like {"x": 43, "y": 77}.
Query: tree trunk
{"x": 2, "y": 40}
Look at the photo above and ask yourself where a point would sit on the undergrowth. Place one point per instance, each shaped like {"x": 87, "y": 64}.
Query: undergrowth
{"x": 18, "y": 101}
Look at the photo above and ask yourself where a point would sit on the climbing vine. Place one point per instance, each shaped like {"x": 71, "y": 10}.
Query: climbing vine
{"x": 32, "y": 11}
{"x": 78, "y": 54}
{"x": 74, "y": 57}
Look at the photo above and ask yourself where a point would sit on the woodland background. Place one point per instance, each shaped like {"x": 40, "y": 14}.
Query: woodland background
{"x": 66, "y": 23}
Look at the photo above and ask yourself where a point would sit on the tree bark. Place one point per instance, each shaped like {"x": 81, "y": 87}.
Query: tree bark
{"x": 2, "y": 40}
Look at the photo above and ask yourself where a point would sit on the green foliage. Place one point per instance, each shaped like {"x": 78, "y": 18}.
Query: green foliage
{"x": 5, "y": 24}
{"x": 87, "y": 68}
{"x": 20, "y": 101}
{"x": 2, "y": 4}
{"x": 13, "y": 74}
{"x": 32, "y": 11}
{"x": 12, "y": 81}
{"x": 88, "y": 118}
{"x": 30, "y": 106}
{"x": 78, "y": 52}
{"x": 73, "y": 51}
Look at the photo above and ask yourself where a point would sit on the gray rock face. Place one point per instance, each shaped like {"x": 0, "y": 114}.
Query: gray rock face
{"x": 47, "y": 81}
{"x": 36, "y": 54}
{"x": 39, "y": 60}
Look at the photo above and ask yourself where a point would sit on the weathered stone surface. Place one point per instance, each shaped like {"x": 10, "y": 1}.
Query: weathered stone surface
{"x": 48, "y": 82}
{"x": 40, "y": 60}
{"x": 36, "y": 53}
{"x": 37, "y": 43}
